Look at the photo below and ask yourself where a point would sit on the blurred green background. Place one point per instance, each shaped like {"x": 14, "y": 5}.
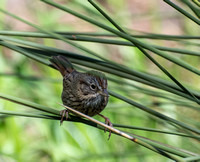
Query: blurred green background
{"x": 31, "y": 139}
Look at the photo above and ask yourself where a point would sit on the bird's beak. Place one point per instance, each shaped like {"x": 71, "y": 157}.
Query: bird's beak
{"x": 104, "y": 93}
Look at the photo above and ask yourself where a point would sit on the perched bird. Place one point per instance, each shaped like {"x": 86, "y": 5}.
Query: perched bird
{"x": 84, "y": 92}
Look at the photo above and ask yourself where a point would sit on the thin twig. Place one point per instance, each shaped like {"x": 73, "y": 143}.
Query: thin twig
{"x": 101, "y": 124}
{"x": 116, "y": 131}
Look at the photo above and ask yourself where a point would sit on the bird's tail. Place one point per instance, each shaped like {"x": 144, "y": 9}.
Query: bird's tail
{"x": 62, "y": 64}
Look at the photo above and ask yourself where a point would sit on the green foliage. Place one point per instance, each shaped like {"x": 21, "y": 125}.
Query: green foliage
{"x": 154, "y": 95}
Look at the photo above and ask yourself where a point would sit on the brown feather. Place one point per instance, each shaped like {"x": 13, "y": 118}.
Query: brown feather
{"x": 62, "y": 64}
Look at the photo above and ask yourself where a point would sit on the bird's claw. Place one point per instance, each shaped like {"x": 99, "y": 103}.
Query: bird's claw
{"x": 107, "y": 122}
{"x": 64, "y": 113}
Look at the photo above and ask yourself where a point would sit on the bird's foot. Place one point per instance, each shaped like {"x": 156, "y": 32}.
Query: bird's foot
{"x": 107, "y": 122}
{"x": 64, "y": 113}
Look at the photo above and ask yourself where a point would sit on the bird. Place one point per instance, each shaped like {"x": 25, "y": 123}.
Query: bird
{"x": 84, "y": 92}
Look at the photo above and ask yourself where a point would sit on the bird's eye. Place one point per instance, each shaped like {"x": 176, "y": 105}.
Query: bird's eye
{"x": 93, "y": 86}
